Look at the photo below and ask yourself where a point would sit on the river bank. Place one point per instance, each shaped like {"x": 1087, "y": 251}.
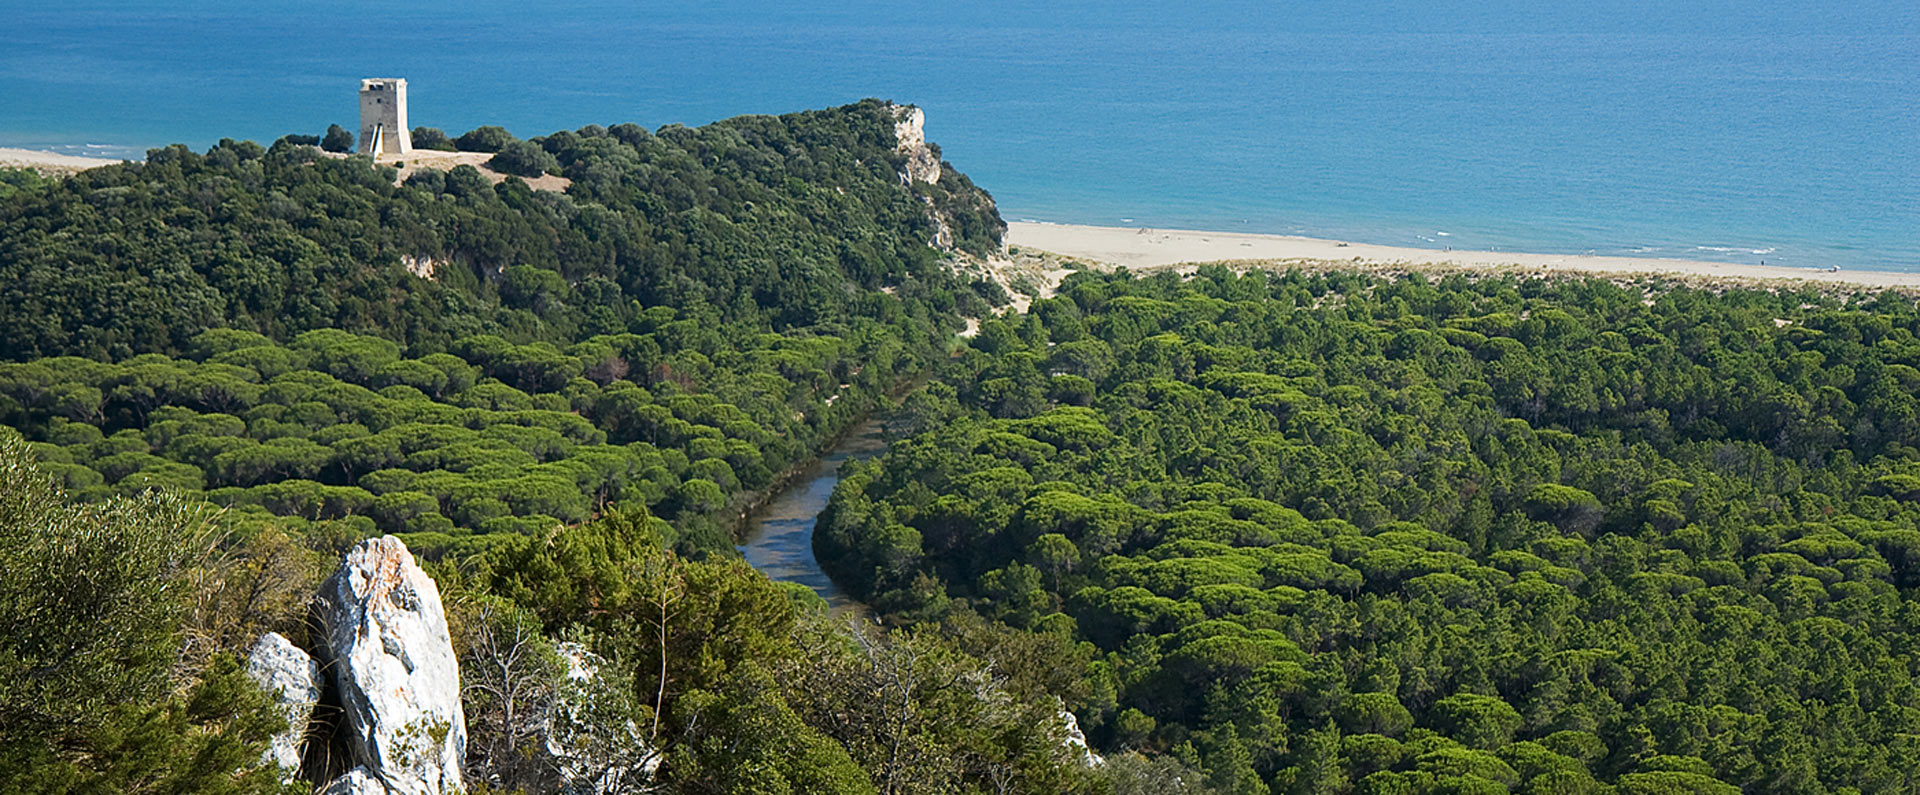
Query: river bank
{"x": 779, "y": 535}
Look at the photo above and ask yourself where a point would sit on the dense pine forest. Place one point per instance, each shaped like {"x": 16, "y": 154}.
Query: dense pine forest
{"x": 1253, "y": 532}
{"x": 1332, "y": 533}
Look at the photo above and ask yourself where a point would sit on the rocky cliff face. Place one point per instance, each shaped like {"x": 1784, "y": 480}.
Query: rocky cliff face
{"x": 910, "y": 139}
{"x": 394, "y": 672}
{"x": 964, "y": 217}
{"x": 922, "y": 166}
{"x": 1075, "y": 742}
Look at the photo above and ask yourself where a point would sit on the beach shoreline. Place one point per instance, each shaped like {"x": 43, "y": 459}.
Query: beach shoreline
{"x": 50, "y": 162}
{"x": 1144, "y": 248}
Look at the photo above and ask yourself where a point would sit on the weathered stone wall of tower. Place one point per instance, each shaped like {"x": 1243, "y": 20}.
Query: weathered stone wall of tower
{"x": 383, "y": 117}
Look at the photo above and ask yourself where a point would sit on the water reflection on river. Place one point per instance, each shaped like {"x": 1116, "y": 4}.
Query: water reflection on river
{"x": 779, "y": 538}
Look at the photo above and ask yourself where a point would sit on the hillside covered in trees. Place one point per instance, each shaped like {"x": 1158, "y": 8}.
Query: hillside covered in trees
{"x": 1256, "y": 533}
{"x": 785, "y": 222}
{"x": 494, "y": 437}
{"x": 227, "y": 368}
{"x": 1331, "y": 533}
{"x": 699, "y": 312}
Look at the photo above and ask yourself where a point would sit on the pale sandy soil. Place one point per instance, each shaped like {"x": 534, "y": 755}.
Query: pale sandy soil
{"x": 445, "y": 161}
{"x": 1153, "y": 248}
{"x": 433, "y": 160}
{"x": 49, "y": 162}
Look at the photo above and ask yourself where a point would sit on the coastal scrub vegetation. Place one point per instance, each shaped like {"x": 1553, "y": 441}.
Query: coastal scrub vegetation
{"x": 432, "y": 138}
{"x": 129, "y": 617}
{"x": 1333, "y": 533}
{"x": 15, "y": 180}
{"x": 337, "y": 139}
{"x": 101, "y": 686}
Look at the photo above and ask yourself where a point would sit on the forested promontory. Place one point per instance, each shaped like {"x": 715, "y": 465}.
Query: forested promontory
{"x": 786, "y": 222}
{"x": 295, "y": 334}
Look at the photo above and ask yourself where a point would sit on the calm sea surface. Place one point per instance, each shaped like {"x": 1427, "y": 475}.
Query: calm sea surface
{"x": 1734, "y": 131}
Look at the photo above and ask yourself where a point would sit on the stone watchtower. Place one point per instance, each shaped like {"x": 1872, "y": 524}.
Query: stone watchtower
{"x": 383, "y": 117}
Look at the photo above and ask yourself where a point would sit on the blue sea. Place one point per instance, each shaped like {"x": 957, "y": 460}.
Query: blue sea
{"x": 1722, "y": 130}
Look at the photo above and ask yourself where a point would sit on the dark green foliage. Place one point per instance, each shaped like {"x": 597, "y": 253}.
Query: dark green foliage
{"x": 1261, "y": 533}
{"x": 486, "y": 138}
{"x": 743, "y": 690}
{"x": 338, "y": 425}
{"x": 696, "y": 316}
{"x": 523, "y": 159}
{"x": 687, "y": 323}
{"x": 1332, "y": 533}
{"x": 95, "y": 695}
{"x": 67, "y": 565}
{"x": 432, "y": 138}
{"x": 991, "y": 291}
{"x": 779, "y": 223}
{"x": 337, "y": 139}
{"x": 17, "y": 180}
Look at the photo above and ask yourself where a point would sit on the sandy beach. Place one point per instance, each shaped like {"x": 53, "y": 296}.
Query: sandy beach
{"x": 1149, "y": 248}
{"x": 49, "y": 161}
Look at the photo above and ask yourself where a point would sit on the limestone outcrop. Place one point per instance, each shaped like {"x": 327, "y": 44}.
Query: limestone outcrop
{"x": 293, "y": 678}
{"x": 594, "y": 760}
{"x": 1075, "y": 741}
{"x": 356, "y": 782}
{"x": 945, "y": 203}
{"x": 910, "y": 139}
{"x": 395, "y": 674}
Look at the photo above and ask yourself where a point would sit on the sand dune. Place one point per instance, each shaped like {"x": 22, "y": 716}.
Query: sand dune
{"x": 1148, "y": 248}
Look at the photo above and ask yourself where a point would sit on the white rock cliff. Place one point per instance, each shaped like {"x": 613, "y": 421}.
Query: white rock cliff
{"x": 1075, "y": 741}
{"x": 393, "y": 666}
{"x": 910, "y": 139}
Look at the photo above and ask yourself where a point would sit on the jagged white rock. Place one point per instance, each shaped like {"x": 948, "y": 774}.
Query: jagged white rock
{"x": 605, "y": 761}
{"x": 393, "y": 665}
{"x": 356, "y": 782}
{"x": 293, "y": 678}
{"x": 421, "y": 265}
{"x": 910, "y": 139}
{"x": 1076, "y": 741}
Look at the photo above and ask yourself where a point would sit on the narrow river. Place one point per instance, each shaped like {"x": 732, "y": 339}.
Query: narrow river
{"x": 779, "y": 539}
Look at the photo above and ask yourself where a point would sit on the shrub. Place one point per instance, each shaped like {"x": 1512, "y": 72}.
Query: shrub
{"x": 523, "y": 159}
{"x": 432, "y": 138}
{"x": 484, "y": 139}
{"x": 337, "y": 139}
